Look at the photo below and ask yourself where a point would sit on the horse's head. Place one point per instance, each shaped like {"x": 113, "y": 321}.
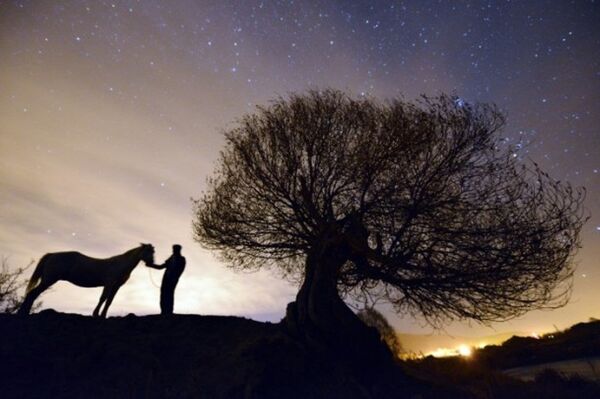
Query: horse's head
{"x": 147, "y": 254}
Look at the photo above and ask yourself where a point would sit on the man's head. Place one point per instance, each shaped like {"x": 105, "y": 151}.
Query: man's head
{"x": 176, "y": 249}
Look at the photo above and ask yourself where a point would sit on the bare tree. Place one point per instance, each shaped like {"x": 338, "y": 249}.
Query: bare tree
{"x": 11, "y": 282}
{"x": 416, "y": 203}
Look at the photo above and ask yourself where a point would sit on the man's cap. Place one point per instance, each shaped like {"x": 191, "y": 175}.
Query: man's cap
{"x": 176, "y": 247}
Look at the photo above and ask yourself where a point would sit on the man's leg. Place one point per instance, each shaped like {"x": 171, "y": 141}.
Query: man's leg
{"x": 166, "y": 300}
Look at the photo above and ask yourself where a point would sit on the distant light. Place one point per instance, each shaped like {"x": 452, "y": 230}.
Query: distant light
{"x": 462, "y": 350}
{"x": 535, "y": 335}
{"x": 465, "y": 351}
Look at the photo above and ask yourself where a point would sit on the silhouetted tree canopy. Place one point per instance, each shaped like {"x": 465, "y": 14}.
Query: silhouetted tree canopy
{"x": 422, "y": 202}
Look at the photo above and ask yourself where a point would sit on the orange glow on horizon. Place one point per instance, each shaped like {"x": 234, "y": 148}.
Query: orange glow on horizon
{"x": 461, "y": 350}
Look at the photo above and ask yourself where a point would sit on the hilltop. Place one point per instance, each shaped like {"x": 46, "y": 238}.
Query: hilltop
{"x": 52, "y": 354}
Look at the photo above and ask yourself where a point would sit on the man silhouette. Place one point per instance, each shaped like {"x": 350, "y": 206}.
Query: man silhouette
{"x": 174, "y": 267}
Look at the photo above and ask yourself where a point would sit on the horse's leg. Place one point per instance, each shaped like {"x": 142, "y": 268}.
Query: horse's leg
{"x": 109, "y": 298}
{"x": 32, "y": 296}
{"x": 101, "y": 301}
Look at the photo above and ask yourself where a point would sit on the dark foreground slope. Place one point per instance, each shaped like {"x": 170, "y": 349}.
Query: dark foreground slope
{"x": 183, "y": 356}
{"x": 56, "y": 355}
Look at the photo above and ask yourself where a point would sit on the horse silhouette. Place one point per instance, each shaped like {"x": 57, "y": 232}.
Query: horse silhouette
{"x": 84, "y": 271}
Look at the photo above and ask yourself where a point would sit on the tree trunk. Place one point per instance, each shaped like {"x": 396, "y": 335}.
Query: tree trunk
{"x": 320, "y": 318}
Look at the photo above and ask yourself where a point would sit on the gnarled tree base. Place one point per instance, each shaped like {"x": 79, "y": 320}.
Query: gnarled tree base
{"x": 356, "y": 347}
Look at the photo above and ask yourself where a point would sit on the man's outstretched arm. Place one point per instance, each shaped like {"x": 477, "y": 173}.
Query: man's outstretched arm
{"x": 163, "y": 266}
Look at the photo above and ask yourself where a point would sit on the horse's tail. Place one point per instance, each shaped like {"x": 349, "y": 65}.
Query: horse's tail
{"x": 37, "y": 274}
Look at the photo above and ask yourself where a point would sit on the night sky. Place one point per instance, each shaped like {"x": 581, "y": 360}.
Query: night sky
{"x": 112, "y": 114}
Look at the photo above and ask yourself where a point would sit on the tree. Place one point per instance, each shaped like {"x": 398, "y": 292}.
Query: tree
{"x": 11, "y": 282}
{"x": 420, "y": 204}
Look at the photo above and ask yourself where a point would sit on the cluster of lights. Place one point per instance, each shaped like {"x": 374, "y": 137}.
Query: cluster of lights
{"x": 462, "y": 350}
{"x": 465, "y": 350}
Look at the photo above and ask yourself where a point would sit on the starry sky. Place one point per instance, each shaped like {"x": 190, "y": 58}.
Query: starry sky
{"x": 112, "y": 114}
